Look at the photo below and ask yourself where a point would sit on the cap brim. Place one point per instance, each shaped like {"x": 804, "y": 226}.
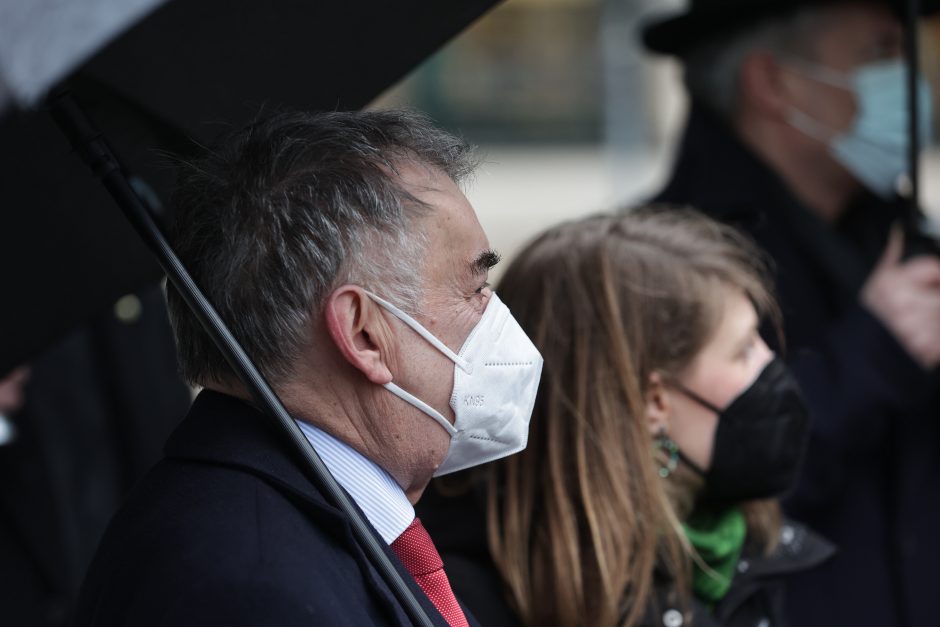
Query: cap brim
{"x": 677, "y": 34}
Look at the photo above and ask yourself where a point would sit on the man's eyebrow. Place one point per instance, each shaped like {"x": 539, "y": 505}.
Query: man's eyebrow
{"x": 484, "y": 261}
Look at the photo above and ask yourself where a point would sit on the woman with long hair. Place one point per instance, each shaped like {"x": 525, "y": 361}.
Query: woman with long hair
{"x": 663, "y": 430}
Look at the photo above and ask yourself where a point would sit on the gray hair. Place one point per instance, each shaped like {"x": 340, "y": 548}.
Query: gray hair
{"x": 712, "y": 68}
{"x": 291, "y": 206}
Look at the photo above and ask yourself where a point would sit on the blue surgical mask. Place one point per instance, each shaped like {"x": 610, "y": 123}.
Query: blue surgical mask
{"x": 875, "y": 148}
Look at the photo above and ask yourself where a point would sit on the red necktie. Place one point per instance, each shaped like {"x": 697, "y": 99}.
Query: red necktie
{"x": 416, "y": 551}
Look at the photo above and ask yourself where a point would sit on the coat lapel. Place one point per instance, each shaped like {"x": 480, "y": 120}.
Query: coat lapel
{"x": 226, "y": 431}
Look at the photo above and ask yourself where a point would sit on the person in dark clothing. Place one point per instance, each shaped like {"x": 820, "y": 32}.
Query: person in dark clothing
{"x": 341, "y": 252}
{"x": 229, "y": 530}
{"x": 662, "y": 432}
{"x": 795, "y": 135}
{"x": 92, "y": 418}
{"x": 454, "y": 510}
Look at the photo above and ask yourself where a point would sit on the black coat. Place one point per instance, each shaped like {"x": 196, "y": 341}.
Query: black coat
{"x": 757, "y": 592}
{"x": 99, "y": 407}
{"x": 872, "y": 474}
{"x": 228, "y": 530}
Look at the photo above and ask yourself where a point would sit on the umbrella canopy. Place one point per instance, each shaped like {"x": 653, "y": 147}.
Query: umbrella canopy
{"x": 43, "y": 40}
{"x": 170, "y": 78}
{"x": 189, "y": 70}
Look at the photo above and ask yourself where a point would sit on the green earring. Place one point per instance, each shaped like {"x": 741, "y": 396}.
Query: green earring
{"x": 664, "y": 443}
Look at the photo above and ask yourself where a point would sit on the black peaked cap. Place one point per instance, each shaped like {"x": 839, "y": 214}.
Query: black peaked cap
{"x": 676, "y": 34}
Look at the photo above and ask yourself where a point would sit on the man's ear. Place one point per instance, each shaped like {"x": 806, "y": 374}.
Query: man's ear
{"x": 762, "y": 86}
{"x": 658, "y": 406}
{"x": 359, "y": 331}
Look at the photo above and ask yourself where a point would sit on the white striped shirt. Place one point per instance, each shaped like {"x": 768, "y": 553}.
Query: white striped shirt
{"x": 379, "y": 496}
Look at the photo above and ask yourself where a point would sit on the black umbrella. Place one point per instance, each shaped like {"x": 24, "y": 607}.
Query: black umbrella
{"x": 175, "y": 76}
{"x": 190, "y": 69}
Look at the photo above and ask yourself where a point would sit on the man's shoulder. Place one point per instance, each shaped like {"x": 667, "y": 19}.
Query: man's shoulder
{"x": 229, "y": 529}
{"x": 220, "y": 505}
{"x": 196, "y": 535}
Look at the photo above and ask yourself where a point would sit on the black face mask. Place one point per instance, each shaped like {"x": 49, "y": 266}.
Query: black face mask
{"x": 760, "y": 439}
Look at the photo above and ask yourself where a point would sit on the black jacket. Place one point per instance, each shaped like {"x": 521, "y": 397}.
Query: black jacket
{"x": 873, "y": 467}
{"x": 99, "y": 407}
{"x": 757, "y": 597}
{"x": 228, "y": 530}
{"x": 757, "y": 593}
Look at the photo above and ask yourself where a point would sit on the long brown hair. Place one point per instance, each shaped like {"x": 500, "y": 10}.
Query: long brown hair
{"x": 581, "y": 520}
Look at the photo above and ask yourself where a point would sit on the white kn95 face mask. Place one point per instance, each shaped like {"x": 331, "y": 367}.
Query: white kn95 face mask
{"x": 496, "y": 377}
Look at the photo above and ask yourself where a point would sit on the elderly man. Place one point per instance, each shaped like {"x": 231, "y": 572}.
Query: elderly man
{"x": 797, "y": 134}
{"x": 346, "y": 260}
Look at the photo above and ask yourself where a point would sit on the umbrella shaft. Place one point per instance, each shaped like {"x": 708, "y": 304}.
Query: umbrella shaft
{"x": 913, "y": 72}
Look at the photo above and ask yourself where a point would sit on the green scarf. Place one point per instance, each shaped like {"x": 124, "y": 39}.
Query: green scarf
{"x": 717, "y": 537}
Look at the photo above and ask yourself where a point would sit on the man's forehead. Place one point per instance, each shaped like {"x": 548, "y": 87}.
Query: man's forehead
{"x": 452, "y": 223}
{"x": 418, "y": 178}
{"x": 433, "y": 187}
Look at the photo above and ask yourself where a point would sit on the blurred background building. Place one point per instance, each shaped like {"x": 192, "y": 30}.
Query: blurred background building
{"x": 572, "y": 115}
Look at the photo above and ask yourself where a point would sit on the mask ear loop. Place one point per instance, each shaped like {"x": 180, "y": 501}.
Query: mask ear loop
{"x": 800, "y": 120}
{"x": 464, "y": 365}
{"x": 674, "y": 455}
{"x": 688, "y": 462}
{"x": 427, "y": 409}
{"x": 401, "y": 393}
{"x": 674, "y": 382}
{"x": 809, "y": 126}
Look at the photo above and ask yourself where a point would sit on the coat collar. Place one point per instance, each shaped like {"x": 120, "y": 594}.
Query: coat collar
{"x": 798, "y": 550}
{"x": 227, "y": 431}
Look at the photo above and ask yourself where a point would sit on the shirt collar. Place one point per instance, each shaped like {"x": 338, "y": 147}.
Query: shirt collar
{"x": 376, "y": 493}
